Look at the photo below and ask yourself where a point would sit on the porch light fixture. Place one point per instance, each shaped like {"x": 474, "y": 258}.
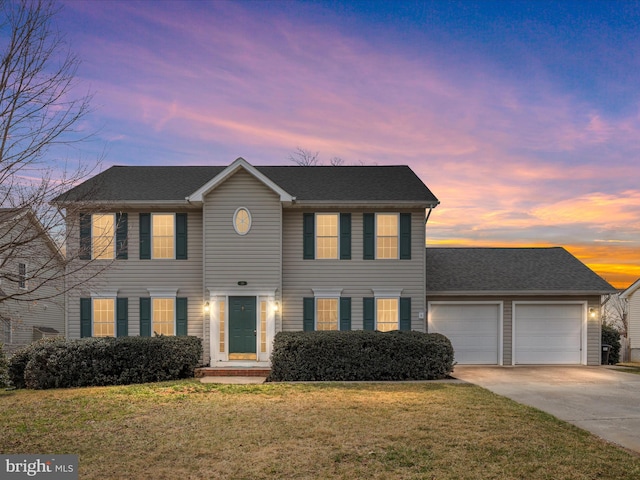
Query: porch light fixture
{"x": 592, "y": 312}
{"x": 206, "y": 307}
{"x": 276, "y": 306}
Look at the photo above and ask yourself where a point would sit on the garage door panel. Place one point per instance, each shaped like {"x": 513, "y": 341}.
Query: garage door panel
{"x": 548, "y": 334}
{"x": 471, "y": 328}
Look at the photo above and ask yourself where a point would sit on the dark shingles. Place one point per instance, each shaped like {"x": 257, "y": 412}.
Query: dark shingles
{"x": 387, "y": 183}
{"x": 510, "y": 270}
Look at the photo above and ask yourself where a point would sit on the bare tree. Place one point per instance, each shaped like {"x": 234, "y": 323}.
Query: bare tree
{"x": 304, "y": 158}
{"x": 336, "y": 162}
{"x": 615, "y": 313}
{"x": 39, "y": 120}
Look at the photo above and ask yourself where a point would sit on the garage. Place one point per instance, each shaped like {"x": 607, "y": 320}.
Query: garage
{"x": 548, "y": 333}
{"x": 473, "y": 328}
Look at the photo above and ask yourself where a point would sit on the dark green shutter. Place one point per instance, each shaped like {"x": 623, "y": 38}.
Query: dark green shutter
{"x": 405, "y": 314}
{"x": 345, "y": 313}
{"x": 85, "y": 317}
{"x": 122, "y": 317}
{"x": 181, "y": 316}
{"x": 345, "y": 236}
{"x": 85, "y": 237}
{"x": 145, "y": 317}
{"x": 181, "y": 236}
{"x": 368, "y": 316}
{"x": 369, "y": 236}
{"x": 308, "y": 314}
{"x": 145, "y": 236}
{"x": 405, "y": 236}
{"x": 308, "y": 236}
{"x": 122, "y": 248}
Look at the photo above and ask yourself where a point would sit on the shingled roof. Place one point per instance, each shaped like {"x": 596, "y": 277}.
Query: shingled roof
{"x": 501, "y": 271}
{"x": 348, "y": 183}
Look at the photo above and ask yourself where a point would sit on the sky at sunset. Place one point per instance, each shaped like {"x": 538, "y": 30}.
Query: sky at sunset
{"x": 522, "y": 117}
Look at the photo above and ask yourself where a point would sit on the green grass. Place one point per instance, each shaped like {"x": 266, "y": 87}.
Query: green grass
{"x": 382, "y": 431}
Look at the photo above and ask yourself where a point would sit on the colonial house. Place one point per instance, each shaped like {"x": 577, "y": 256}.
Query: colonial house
{"x": 632, "y": 296}
{"x": 236, "y": 254}
{"x": 31, "y": 280}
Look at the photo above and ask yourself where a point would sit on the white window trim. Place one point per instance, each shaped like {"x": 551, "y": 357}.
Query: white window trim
{"x": 386, "y": 297}
{"x": 375, "y": 235}
{"x": 103, "y": 296}
{"x": 235, "y": 216}
{"x": 315, "y": 233}
{"x": 173, "y": 214}
{"x": 113, "y": 240}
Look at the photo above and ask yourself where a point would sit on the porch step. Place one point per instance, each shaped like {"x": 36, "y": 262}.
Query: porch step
{"x": 232, "y": 372}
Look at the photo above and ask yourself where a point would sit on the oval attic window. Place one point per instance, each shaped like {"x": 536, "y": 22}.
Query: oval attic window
{"x": 242, "y": 221}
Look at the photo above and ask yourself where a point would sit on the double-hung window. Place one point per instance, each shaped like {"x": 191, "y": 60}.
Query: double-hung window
{"x": 387, "y": 312}
{"x": 327, "y": 312}
{"x": 327, "y": 236}
{"x": 22, "y": 275}
{"x": 163, "y": 314}
{"x": 163, "y": 236}
{"x": 104, "y": 316}
{"x": 103, "y": 236}
{"x": 386, "y": 236}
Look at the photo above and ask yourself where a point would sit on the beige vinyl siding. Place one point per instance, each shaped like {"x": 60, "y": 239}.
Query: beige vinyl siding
{"x": 593, "y": 325}
{"x": 356, "y": 277}
{"x": 634, "y": 325}
{"x": 133, "y": 277}
{"x": 253, "y": 258}
{"x": 22, "y": 315}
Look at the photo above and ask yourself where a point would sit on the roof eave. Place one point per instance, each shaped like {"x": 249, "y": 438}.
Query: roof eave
{"x": 632, "y": 288}
{"x": 504, "y": 293}
{"x": 364, "y": 203}
{"x": 127, "y": 204}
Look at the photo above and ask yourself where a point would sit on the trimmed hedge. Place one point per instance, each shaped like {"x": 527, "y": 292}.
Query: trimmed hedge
{"x": 4, "y": 368}
{"x": 360, "y": 355}
{"x": 611, "y": 336}
{"x": 59, "y": 363}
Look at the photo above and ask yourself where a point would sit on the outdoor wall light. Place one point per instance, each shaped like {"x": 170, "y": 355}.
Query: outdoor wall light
{"x": 276, "y": 306}
{"x": 206, "y": 307}
{"x": 592, "y": 312}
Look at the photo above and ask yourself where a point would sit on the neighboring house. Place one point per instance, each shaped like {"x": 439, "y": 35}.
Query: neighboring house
{"x": 31, "y": 284}
{"x": 512, "y": 306}
{"x": 632, "y": 295}
{"x": 236, "y": 254}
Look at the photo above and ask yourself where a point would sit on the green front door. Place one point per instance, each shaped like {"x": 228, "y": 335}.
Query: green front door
{"x": 242, "y": 325}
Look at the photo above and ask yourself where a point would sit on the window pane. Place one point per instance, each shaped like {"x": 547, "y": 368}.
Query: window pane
{"x": 327, "y": 314}
{"x": 327, "y": 236}
{"x": 163, "y": 236}
{"x": 103, "y": 317}
{"x": 387, "y": 236}
{"x": 263, "y": 325}
{"x": 387, "y": 314}
{"x": 103, "y": 236}
{"x": 242, "y": 221}
{"x": 163, "y": 316}
{"x": 222, "y": 322}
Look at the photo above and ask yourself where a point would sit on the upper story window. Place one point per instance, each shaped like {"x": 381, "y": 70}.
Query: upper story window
{"x": 327, "y": 235}
{"x": 103, "y": 236}
{"x": 242, "y": 221}
{"x": 386, "y": 236}
{"x": 163, "y": 236}
{"x": 103, "y": 241}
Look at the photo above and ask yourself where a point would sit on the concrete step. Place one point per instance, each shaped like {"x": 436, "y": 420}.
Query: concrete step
{"x": 232, "y": 372}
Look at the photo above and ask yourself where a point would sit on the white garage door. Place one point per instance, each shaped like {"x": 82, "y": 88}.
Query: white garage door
{"x": 547, "y": 333}
{"x": 473, "y": 329}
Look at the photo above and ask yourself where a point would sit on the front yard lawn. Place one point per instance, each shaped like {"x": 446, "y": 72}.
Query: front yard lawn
{"x": 190, "y": 430}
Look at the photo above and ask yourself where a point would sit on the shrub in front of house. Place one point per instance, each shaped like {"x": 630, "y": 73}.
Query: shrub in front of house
{"x": 611, "y": 336}
{"x": 58, "y": 363}
{"x": 360, "y": 355}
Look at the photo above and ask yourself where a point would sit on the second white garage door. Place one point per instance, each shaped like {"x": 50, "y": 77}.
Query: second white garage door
{"x": 548, "y": 333}
{"x": 473, "y": 328}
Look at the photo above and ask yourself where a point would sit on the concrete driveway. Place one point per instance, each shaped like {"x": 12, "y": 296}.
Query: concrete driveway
{"x": 600, "y": 400}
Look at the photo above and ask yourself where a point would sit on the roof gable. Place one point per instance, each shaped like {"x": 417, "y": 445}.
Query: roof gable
{"x": 631, "y": 289}
{"x": 510, "y": 270}
{"x": 240, "y": 163}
